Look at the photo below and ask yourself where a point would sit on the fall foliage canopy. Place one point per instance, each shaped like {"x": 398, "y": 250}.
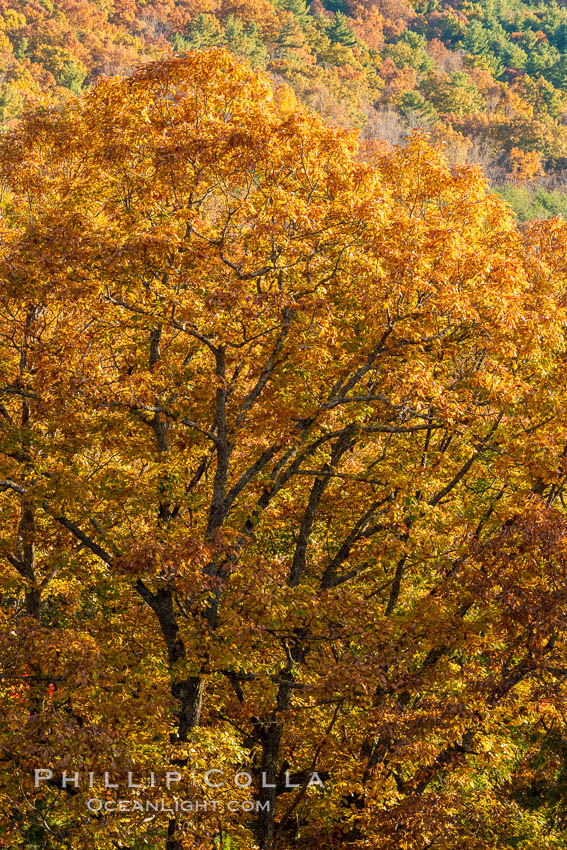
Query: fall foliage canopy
{"x": 283, "y": 449}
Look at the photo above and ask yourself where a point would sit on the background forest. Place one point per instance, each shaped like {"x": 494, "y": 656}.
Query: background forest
{"x": 488, "y": 78}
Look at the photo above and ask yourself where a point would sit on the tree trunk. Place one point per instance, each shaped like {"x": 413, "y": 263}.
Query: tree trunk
{"x": 189, "y": 693}
{"x": 33, "y": 602}
{"x": 270, "y": 733}
{"x": 266, "y": 795}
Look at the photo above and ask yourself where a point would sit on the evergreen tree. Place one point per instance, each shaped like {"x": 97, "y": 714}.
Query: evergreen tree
{"x": 558, "y": 74}
{"x": 290, "y": 36}
{"x": 298, "y": 8}
{"x": 205, "y": 31}
{"x": 416, "y": 110}
{"x": 245, "y": 41}
{"x": 560, "y": 37}
{"x": 476, "y": 40}
{"x": 542, "y": 59}
{"x": 72, "y": 76}
{"x": 411, "y": 49}
{"x": 22, "y": 50}
{"x": 340, "y": 32}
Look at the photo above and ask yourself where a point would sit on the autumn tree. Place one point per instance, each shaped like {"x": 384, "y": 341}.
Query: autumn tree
{"x": 283, "y": 456}
{"x": 525, "y": 166}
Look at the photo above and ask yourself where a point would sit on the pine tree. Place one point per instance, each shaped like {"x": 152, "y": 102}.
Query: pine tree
{"x": 298, "y": 8}
{"x": 340, "y": 32}
{"x": 476, "y": 39}
{"x": 205, "y": 31}
{"x": 290, "y": 36}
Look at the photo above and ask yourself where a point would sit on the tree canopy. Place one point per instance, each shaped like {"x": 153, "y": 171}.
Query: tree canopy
{"x": 283, "y": 441}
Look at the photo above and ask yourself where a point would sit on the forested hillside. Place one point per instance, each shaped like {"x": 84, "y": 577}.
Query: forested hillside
{"x": 489, "y": 78}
